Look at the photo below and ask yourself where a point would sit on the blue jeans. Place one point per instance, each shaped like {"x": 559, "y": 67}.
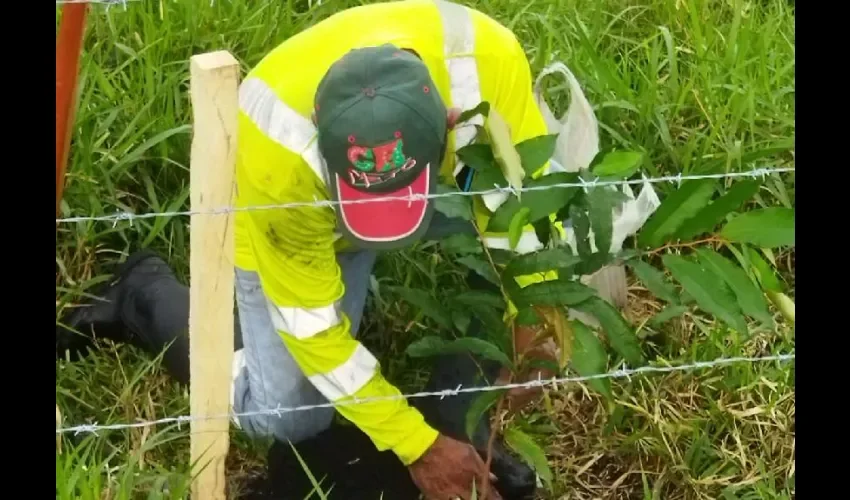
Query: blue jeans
{"x": 270, "y": 377}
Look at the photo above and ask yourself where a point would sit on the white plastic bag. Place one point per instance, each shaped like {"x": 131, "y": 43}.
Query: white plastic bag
{"x": 578, "y": 139}
{"x": 577, "y": 145}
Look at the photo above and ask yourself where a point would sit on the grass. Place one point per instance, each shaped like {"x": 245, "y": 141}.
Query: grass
{"x": 699, "y": 86}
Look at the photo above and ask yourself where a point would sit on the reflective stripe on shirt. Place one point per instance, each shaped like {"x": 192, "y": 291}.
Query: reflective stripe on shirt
{"x": 281, "y": 123}
{"x": 459, "y": 47}
{"x": 303, "y": 323}
{"x": 347, "y": 378}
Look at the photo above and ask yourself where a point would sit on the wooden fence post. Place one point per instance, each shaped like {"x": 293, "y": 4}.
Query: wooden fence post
{"x": 214, "y": 95}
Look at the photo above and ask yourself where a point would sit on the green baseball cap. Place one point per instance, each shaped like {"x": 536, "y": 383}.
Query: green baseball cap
{"x": 382, "y": 130}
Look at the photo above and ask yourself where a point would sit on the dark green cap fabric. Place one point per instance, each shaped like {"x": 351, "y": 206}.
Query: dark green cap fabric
{"x": 382, "y": 131}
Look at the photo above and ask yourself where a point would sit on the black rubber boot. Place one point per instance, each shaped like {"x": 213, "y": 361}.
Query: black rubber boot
{"x": 143, "y": 304}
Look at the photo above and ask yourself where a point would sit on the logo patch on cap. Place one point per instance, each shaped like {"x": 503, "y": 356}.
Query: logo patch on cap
{"x": 372, "y": 166}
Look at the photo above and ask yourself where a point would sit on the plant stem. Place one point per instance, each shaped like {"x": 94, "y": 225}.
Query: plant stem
{"x": 501, "y": 287}
{"x": 492, "y": 440}
{"x": 501, "y": 403}
{"x": 491, "y": 261}
{"x": 687, "y": 244}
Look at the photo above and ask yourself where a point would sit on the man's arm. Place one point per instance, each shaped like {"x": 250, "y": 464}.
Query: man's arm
{"x": 295, "y": 259}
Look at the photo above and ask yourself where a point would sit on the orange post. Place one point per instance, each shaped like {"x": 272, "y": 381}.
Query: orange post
{"x": 68, "y": 48}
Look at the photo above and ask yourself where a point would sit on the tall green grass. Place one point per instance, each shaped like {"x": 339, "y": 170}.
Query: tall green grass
{"x": 698, "y": 85}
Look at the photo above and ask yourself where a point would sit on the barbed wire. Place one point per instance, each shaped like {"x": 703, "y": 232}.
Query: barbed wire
{"x": 585, "y": 184}
{"x": 553, "y": 382}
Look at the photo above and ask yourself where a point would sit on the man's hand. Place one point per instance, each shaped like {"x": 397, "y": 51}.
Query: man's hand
{"x": 447, "y": 470}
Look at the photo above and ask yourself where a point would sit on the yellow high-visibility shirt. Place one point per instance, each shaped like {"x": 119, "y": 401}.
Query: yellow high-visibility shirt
{"x": 471, "y": 58}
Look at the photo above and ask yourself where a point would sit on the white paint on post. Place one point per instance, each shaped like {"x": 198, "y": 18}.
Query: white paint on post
{"x": 214, "y": 96}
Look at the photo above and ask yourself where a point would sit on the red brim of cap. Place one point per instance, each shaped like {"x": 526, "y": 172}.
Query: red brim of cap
{"x": 382, "y": 217}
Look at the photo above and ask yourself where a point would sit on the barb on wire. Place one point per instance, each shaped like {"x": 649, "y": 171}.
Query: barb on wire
{"x": 755, "y": 174}
{"x": 553, "y": 382}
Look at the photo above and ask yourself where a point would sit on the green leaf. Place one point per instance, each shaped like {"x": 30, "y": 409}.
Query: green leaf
{"x": 611, "y": 195}
{"x": 543, "y": 230}
{"x": 493, "y": 325}
{"x": 750, "y": 298}
{"x": 599, "y": 156}
{"x": 767, "y": 227}
{"x": 477, "y": 410}
{"x": 535, "y": 152}
{"x": 501, "y": 256}
{"x": 461, "y": 320}
{"x": 563, "y": 213}
{"x": 589, "y": 358}
{"x": 618, "y": 164}
{"x": 764, "y": 272}
{"x": 483, "y": 109}
{"x": 593, "y": 262}
{"x": 553, "y": 293}
{"x": 654, "y": 281}
{"x": 478, "y": 157}
{"x": 518, "y": 222}
{"x": 542, "y": 203}
{"x": 709, "y": 217}
{"x": 480, "y": 298}
{"x": 480, "y": 348}
{"x": 601, "y": 218}
{"x": 619, "y": 333}
{"x": 785, "y": 305}
{"x": 426, "y": 347}
{"x": 488, "y": 178}
{"x": 680, "y": 206}
{"x": 710, "y": 291}
{"x": 461, "y": 243}
{"x": 504, "y": 151}
{"x": 480, "y": 266}
{"x": 453, "y": 206}
{"x": 581, "y": 228}
{"x": 436, "y": 346}
{"x": 628, "y": 254}
{"x": 530, "y": 452}
{"x": 543, "y": 364}
{"x": 541, "y": 261}
{"x": 668, "y": 313}
{"x": 428, "y": 305}
{"x": 527, "y": 316}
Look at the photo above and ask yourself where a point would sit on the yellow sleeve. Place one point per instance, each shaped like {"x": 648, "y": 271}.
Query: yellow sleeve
{"x": 295, "y": 259}
{"x": 513, "y": 97}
